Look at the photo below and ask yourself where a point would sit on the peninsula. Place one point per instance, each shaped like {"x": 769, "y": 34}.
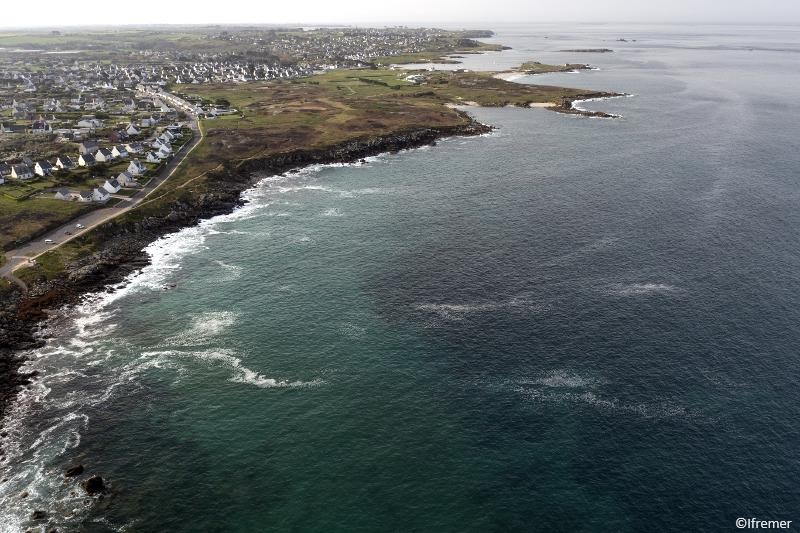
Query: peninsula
{"x": 535, "y": 67}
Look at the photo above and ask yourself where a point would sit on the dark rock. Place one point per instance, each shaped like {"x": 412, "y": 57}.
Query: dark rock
{"x": 38, "y": 515}
{"x": 94, "y": 485}
{"x": 73, "y": 471}
{"x": 23, "y": 495}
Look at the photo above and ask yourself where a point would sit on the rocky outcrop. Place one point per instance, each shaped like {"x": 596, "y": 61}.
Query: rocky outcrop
{"x": 121, "y": 245}
{"x": 94, "y": 485}
{"x": 73, "y": 471}
{"x": 568, "y": 105}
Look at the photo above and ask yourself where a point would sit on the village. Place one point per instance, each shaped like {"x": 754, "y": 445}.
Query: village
{"x": 89, "y": 119}
{"x": 90, "y": 149}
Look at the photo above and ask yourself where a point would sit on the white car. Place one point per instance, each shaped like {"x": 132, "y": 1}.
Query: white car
{"x": 49, "y": 241}
{"x": 79, "y": 226}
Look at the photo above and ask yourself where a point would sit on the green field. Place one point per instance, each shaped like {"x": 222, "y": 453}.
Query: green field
{"x": 535, "y": 67}
{"x": 19, "y": 221}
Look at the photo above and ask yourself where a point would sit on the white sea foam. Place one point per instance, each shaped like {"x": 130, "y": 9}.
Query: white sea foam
{"x": 563, "y": 379}
{"x": 650, "y": 409}
{"x": 636, "y": 289}
{"x": 205, "y": 327}
{"x": 332, "y": 212}
{"x": 351, "y": 330}
{"x": 576, "y": 104}
{"x": 300, "y": 239}
{"x": 228, "y": 358}
{"x": 461, "y": 310}
{"x": 231, "y": 272}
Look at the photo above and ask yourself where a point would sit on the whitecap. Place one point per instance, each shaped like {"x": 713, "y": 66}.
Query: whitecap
{"x": 636, "y": 289}
{"x": 459, "y": 311}
{"x": 563, "y": 379}
{"x": 332, "y": 212}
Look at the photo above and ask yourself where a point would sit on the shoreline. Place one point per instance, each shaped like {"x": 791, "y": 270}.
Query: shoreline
{"x": 124, "y": 251}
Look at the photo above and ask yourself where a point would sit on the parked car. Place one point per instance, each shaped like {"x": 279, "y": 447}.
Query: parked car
{"x": 79, "y": 226}
{"x": 49, "y": 241}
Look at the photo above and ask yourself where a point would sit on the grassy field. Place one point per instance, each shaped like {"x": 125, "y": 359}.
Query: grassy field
{"x": 20, "y": 220}
{"x": 339, "y": 105}
{"x": 534, "y": 67}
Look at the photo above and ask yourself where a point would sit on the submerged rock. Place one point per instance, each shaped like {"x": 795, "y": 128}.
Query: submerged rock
{"x": 94, "y": 485}
{"x": 73, "y": 471}
{"x": 38, "y": 515}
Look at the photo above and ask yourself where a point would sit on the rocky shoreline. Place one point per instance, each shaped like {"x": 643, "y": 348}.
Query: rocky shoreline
{"x": 567, "y": 106}
{"x": 122, "y": 252}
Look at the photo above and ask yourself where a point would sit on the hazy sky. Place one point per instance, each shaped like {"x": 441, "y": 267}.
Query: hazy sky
{"x": 468, "y": 12}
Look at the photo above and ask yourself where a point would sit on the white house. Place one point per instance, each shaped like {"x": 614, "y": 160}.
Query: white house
{"x": 64, "y": 162}
{"x": 152, "y": 157}
{"x": 136, "y": 168}
{"x": 63, "y": 194}
{"x": 133, "y": 130}
{"x": 21, "y": 172}
{"x": 91, "y": 123}
{"x": 126, "y": 180}
{"x": 164, "y": 152}
{"x": 88, "y": 147}
{"x": 103, "y": 155}
{"x": 148, "y": 122}
{"x": 86, "y": 160}
{"x": 85, "y": 196}
{"x": 134, "y": 148}
{"x": 119, "y": 151}
{"x": 2, "y": 180}
{"x": 100, "y": 195}
{"x": 112, "y": 186}
{"x": 43, "y": 168}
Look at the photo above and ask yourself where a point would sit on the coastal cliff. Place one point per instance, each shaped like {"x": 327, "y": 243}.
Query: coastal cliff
{"x": 121, "y": 245}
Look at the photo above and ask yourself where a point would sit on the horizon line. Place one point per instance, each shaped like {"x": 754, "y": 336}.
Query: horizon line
{"x": 384, "y": 24}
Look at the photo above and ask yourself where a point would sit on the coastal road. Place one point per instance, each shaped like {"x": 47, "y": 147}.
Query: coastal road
{"x": 24, "y": 254}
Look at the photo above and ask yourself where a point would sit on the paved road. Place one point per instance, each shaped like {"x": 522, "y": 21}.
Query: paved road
{"x": 22, "y": 255}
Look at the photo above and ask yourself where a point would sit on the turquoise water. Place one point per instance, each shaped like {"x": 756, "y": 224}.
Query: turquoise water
{"x": 568, "y": 325}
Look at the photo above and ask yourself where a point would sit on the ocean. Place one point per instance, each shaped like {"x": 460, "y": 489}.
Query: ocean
{"x": 570, "y": 324}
